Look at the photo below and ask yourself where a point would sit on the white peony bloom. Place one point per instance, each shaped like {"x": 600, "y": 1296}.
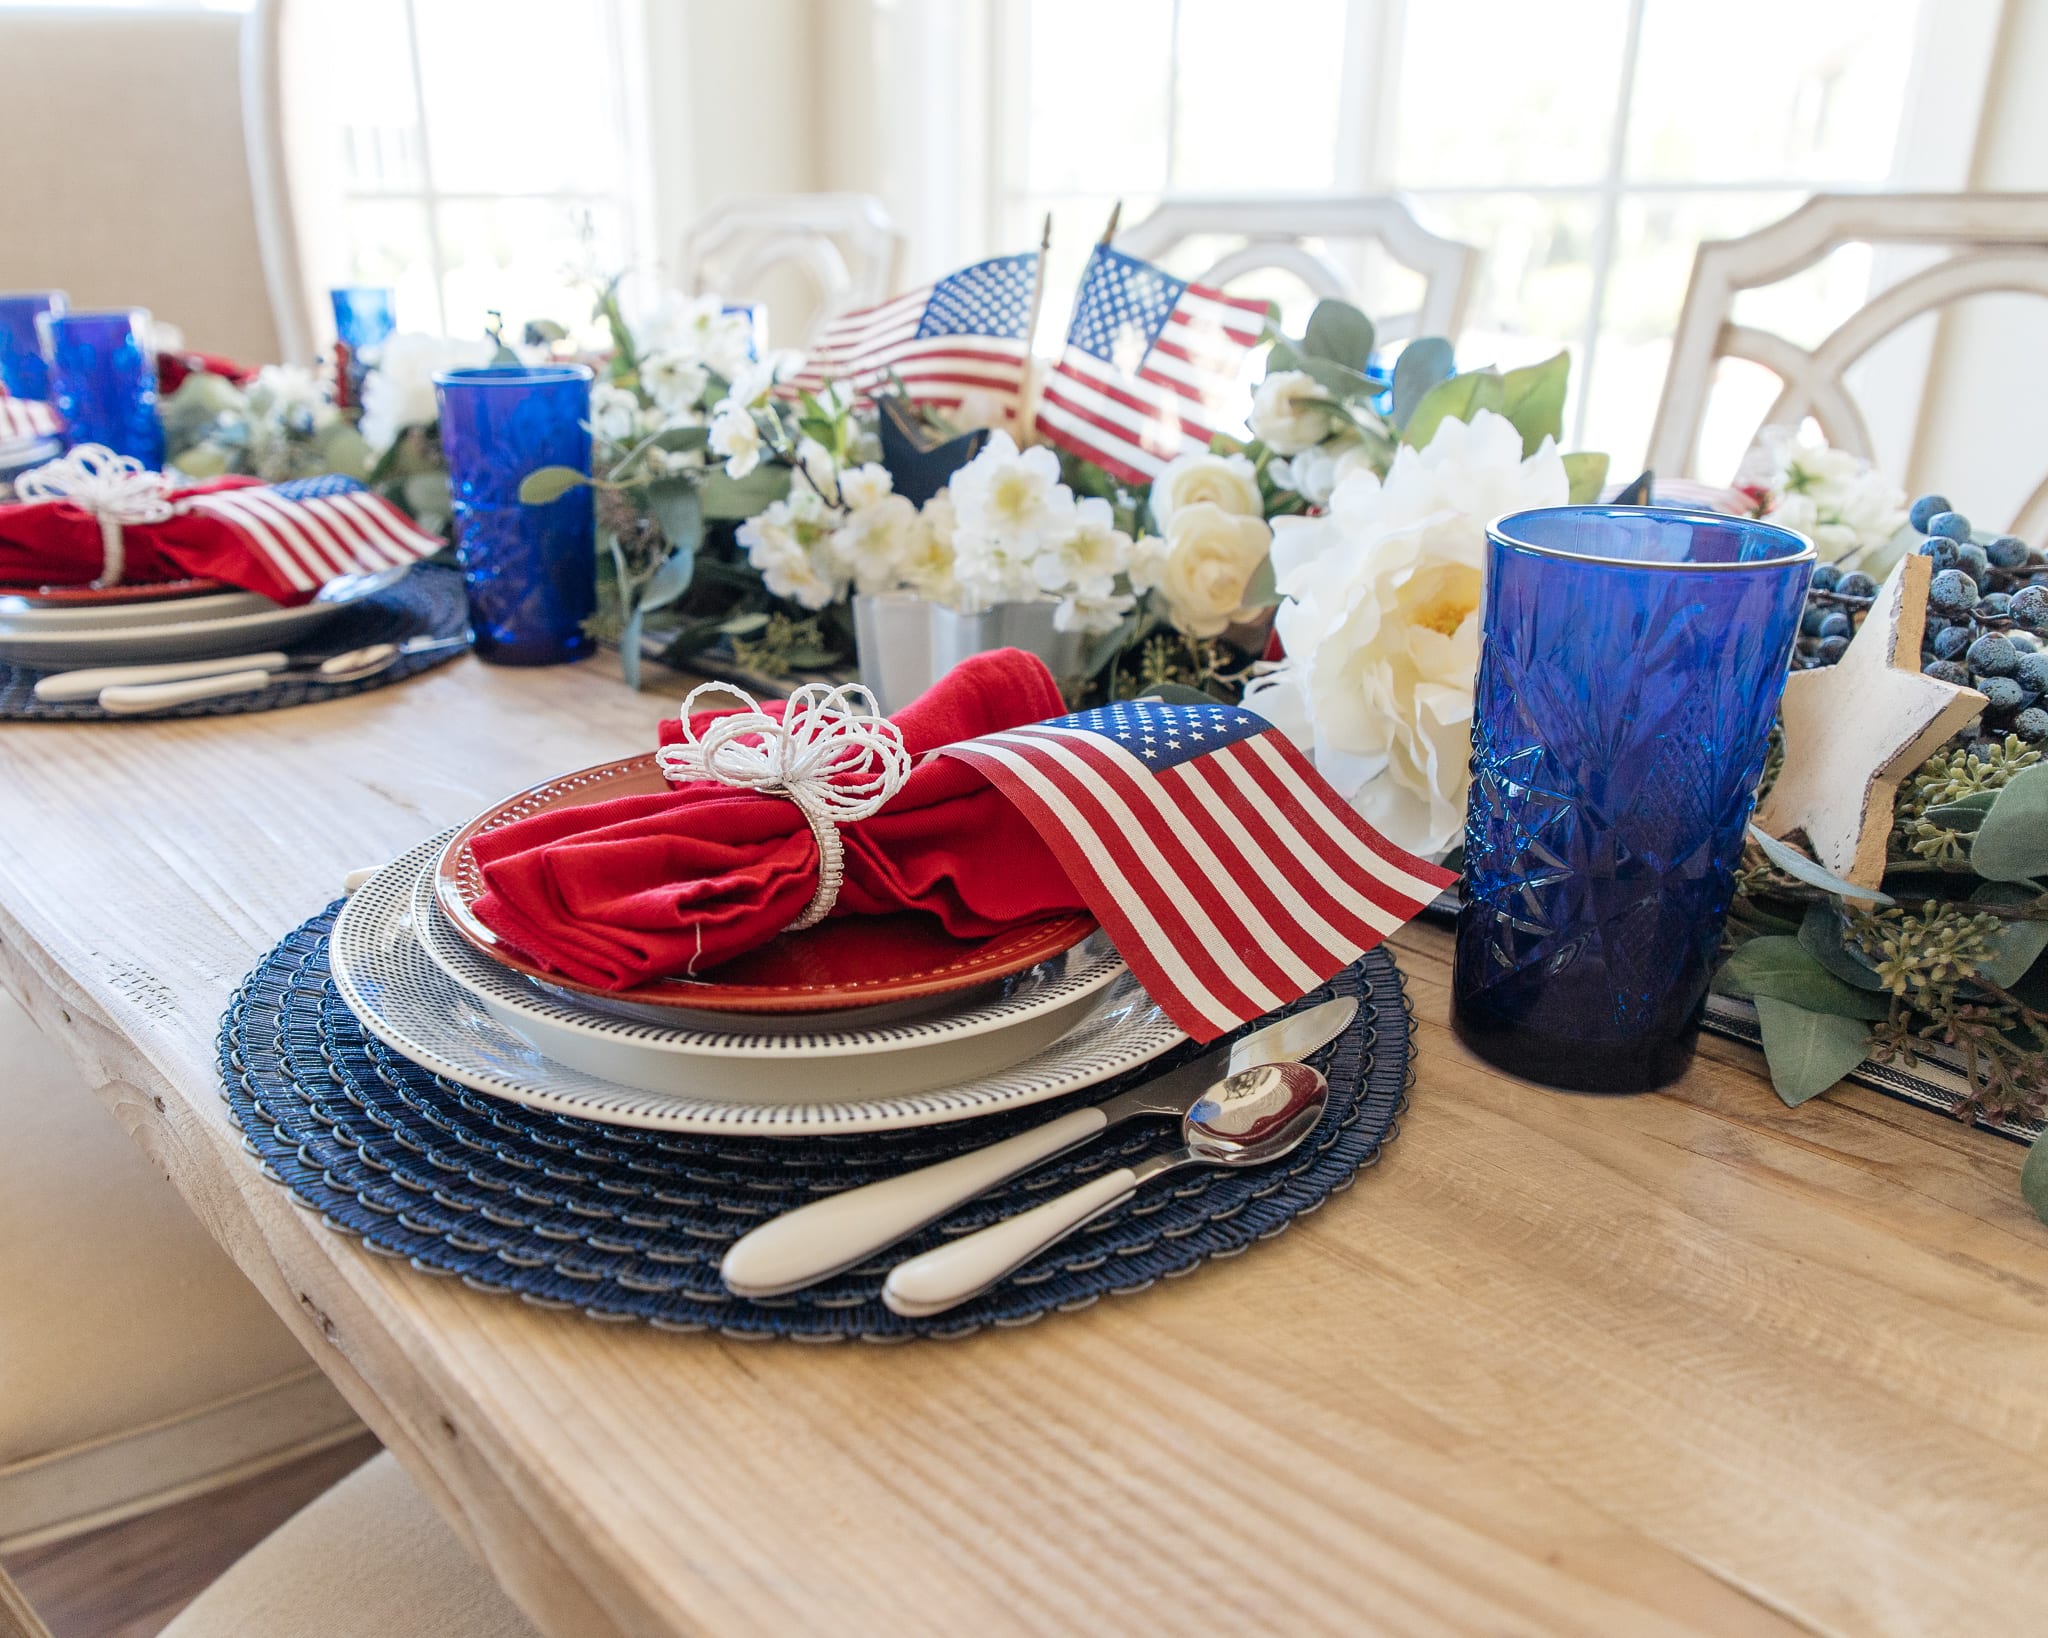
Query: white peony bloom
{"x": 1092, "y": 612}
{"x": 1381, "y": 623}
{"x": 1228, "y": 481}
{"x": 1835, "y": 498}
{"x": 675, "y": 381}
{"x": 1315, "y": 473}
{"x": 736, "y": 436}
{"x": 865, "y": 486}
{"x": 1288, "y": 413}
{"x": 614, "y": 413}
{"x": 1211, "y": 557}
{"x": 399, "y": 392}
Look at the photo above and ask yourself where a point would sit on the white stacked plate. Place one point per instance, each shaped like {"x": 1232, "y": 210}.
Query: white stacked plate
{"x": 419, "y": 988}
{"x": 49, "y": 635}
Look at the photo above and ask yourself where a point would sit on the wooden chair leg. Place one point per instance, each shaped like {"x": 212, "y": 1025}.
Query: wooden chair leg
{"x": 17, "y": 1620}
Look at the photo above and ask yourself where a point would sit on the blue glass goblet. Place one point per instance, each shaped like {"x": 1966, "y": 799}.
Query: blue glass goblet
{"x": 103, "y": 380}
{"x": 364, "y": 316}
{"x": 22, "y": 370}
{"x": 531, "y": 570}
{"x": 1631, "y": 668}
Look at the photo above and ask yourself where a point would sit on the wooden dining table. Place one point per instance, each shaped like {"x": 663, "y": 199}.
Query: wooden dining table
{"x": 1684, "y": 1362}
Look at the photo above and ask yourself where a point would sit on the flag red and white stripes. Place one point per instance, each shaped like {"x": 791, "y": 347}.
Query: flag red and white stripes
{"x": 311, "y": 530}
{"x": 1231, "y": 877}
{"x": 25, "y": 418}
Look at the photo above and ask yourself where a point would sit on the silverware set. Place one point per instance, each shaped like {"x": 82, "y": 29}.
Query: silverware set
{"x": 1246, "y": 1105}
{"x": 127, "y": 689}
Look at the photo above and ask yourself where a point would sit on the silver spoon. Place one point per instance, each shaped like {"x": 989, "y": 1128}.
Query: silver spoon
{"x": 1246, "y": 1120}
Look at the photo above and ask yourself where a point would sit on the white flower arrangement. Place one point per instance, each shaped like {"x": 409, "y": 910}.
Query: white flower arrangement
{"x": 398, "y": 391}
{"x": 1837, "y": 500}
{"x": 1381, "y": 623}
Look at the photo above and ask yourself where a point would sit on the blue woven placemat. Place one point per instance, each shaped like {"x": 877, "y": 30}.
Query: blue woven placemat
{"x": 428, "y": 602}
{"x": 626, "y": 1224}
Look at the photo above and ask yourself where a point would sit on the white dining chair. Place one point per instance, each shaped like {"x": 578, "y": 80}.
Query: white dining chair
{"x": 807, "y": 255}
{"x": 1313, "y": 239}
{"x": 1966, "y": 245}
{"x": 194, "y": 228}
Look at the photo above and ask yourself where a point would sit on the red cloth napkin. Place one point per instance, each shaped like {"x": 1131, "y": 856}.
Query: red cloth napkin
{"x": 285, "y": 543}
{"x": 643, "y": 887}
{"x": 172, "y": 368}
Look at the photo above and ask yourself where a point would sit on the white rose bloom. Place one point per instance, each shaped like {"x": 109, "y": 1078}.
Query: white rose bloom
{"x": 1381, "y": 623}
{"x": 1288, "y": 413}
{"x": 614, "y": 413}
{"x": 675, "y": 381}
{"x": 1228, "y": 481}
{"x": 399, "y": 392}
{"x": 1211, "y": 557}
{"x": 735, "y": 436}
{"x": 865, "y": 486}
{"x": 1092, "y": 613}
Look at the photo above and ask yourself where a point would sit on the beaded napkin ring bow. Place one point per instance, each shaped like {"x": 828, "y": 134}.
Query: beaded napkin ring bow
{"x": 116, "y": 489}
{"x": 835, "y": 765}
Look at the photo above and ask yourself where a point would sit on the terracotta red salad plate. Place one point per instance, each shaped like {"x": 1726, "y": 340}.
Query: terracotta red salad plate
{"x": 843, "y": 962}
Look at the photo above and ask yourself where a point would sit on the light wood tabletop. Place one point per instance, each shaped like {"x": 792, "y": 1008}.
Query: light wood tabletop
{"x": 1684, "y": 1362}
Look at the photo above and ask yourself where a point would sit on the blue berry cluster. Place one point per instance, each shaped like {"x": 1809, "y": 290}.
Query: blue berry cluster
{"x": 1987, "y": 617}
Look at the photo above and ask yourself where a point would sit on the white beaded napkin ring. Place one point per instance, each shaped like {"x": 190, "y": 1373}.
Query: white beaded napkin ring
{"x": 116, "y": 489}
{"x": 835, "y": 763}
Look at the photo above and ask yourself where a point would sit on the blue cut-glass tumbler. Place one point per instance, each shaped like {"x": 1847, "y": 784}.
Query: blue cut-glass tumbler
{"x": 531, "y": 570}
{"x": 22, "y": 370}
{"x": 103, "y": 380}
{"x": 1632, "y": 664}
{"x": 364, "y": 317}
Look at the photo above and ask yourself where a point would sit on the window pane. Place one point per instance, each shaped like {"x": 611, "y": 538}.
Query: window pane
{"x": 1098, "y": 103}
{"x": 1765, "y": 90}
{"x": 522, "y": 96}
{"x": 528, "y": 259}
{"x": 1537, "y": 278}
{"x": 362, "y": 46}
{"x": 1256, "y": 108}
{"x": 387, "y": 244}
{"x": 1505, "y": 91}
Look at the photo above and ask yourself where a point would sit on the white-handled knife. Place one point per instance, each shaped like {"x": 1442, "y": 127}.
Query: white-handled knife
{"x": 817, "y": 1241}
{"x": 86, "y": 685}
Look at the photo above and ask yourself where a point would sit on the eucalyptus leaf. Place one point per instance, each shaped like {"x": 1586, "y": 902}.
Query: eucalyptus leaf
{"x": 1260, "y": 592}
{"x": 2034, "y": 1179}
{"x": 1783, "y": 969}
{"x": 740, "y": 625}
{"x": 1423, "y": 363}
{"x": 2018, "y": 944}
{"x": 1340, "y": 333}
{"x": 679, "y": 440}
{"x": 730, "y": 499}
{"x": 1534, "y": 400}
{"x": 1966, "y": 816}
{"x": 677, "y": 511}
{"x": 2012, "y": 843}
{"x": 1173, "y": 693}
{"x": 1586, "y": 473}
{"x": 345, "y": 450}
{"x": 1343, "y": 382}
{"x": 1820, "y": 934}
{"x": 1458, "y": 399}
{"x": 1284, "y": 356}
{"x": 629, "y": 650}
{"x": 549, "y": 483}
{"x": 1794, "y": 863}
{"x": 669, "y": 581}
{"x": 1807, "y": 1052}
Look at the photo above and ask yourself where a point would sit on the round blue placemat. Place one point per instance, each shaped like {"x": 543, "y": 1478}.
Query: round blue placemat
{"x": 428, "y": 602}
{"x": 627, "y": 1224}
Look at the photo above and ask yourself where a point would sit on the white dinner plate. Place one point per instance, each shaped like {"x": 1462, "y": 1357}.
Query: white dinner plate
{"x": 175, "y": 639}
{"x": 878, "y": 1079}
{"x": 21, "y": 618}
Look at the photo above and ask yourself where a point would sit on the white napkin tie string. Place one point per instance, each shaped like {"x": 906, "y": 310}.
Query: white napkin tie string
{"x": 836, "y": 763}
{"x": 117, "y": 489}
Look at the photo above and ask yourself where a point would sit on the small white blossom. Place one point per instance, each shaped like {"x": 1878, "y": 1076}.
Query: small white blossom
{"x": 736, "y": 436}
{"x": 865, "y": 486}
{"x": 675, "y": 381}
{"x": 614, "y": 413}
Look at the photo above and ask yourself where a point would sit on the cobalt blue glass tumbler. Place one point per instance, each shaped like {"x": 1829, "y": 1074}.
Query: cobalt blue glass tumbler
{"x": 103, "y": 381}
{"x": 364, "y": 317}
{"x": 1631, "y": 667}
{"x": 531, "y": 570}
{"x": 22, "y": 370}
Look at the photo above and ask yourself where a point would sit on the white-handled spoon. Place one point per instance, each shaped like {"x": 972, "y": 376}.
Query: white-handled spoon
{"x": 827, "y": 1236}
{"x": 1247, "y": 1120}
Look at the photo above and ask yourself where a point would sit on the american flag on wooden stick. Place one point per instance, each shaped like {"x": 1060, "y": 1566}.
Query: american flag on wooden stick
{"x": 1150, "y": 367}
{"x": 25, "y": 418}
{"x": 1232, "y": 878}
{"x": 310, "y": 530}
{"x": 970, "y": 331}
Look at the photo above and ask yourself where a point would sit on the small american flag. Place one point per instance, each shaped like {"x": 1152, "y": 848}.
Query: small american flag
{"x": 1232, "y": 878}
{"x": 310, "y": 530}
{"x": 25, "y": 418}
{"x": 1150, "y": 367}
{"x": 969, "y": 331}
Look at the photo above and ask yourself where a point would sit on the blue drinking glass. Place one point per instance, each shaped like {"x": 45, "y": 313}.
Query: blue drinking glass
{"x": 103, "y": 381}
{"x": 1631, "y": 668}
{"x": 531, "y": 570}
{"x": 364, "y": 316}
{"x": 22, "y": 370}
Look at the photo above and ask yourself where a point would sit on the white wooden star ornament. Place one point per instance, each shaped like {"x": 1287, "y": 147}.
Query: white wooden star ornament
{"x": 1854, "y": 730}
